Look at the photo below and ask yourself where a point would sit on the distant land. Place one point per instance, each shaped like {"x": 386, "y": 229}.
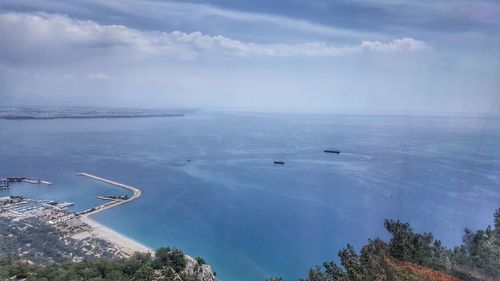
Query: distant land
{"x": 83, "y": 113}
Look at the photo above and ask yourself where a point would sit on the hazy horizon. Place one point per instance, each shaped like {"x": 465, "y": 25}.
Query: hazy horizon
{"x": 189, "y": 110}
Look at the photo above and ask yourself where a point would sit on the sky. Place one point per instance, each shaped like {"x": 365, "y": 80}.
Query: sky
{"x": 322, "y": 56}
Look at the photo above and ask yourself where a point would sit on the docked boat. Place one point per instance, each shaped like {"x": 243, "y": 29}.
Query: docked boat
{"x": 4, "y": 184}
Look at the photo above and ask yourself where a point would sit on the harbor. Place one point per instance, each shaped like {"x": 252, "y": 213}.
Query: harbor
{"x": 5, "y": 182}
{"x": 113, "y": 200}
{"x": 125, "y": 245}
{"x": 21, "y": 206}
{"x": 77, "y": 225}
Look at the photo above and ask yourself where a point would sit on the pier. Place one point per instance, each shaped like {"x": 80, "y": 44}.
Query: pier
{"x": 136, "y": 193}
{"x": 4, "y": 182}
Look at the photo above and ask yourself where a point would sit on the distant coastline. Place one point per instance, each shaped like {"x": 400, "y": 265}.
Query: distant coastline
{"x": 85, "y": 113}
{"x": 87, "y": 117}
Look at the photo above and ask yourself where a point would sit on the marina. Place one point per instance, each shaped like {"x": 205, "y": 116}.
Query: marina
{"x": 23, "y": 207}
{"x": 77, "y": 225}
{"x": 5, "y": 182}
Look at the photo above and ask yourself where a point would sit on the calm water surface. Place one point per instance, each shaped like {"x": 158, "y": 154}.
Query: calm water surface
{"x": 247, "y": 217}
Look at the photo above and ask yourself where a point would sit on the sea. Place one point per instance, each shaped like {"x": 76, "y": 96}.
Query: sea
{"x": 211, "y": 188}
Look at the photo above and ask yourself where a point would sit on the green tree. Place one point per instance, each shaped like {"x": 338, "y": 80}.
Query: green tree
{"x": 479, "y": 255}
{"x": 200, "y": 261}
{"x": 373, "y": 256}
{"x": 169, "y": 257}
{"x": 416, "y": 248}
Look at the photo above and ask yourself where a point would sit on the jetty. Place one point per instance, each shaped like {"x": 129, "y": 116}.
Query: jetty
{"x": 136, "y": 193}
{"x": 5, "y": 181}
{"x": 58, "y": 206}
{"x": 113, "y": 197}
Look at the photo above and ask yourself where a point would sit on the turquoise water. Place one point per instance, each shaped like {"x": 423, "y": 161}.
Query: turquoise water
{"x": 247, "y": 217}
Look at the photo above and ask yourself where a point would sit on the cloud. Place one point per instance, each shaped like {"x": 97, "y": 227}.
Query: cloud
{"x": 405, "y": 44}
{"x": 42, "y": 36}
{"x": 171, "y": 12}
{"x": 158, "y": 10}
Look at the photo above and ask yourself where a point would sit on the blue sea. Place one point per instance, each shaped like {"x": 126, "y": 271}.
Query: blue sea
{"x": 251, "y": 219}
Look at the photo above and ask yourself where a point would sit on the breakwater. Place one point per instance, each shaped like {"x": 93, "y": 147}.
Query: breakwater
{"x": 136, "y": 193}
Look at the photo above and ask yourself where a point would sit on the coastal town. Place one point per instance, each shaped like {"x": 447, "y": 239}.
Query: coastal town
{"x": 71, "y": 224}
{"x": 47, "y": 231}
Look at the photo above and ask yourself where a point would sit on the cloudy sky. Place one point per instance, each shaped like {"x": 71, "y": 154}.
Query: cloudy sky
{"x": 271, "y": 55}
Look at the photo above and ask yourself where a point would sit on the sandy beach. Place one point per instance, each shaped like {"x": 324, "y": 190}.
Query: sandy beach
{"x": 126, "y": 245}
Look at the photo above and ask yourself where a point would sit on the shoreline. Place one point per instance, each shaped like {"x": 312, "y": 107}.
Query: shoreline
{"x": 125, "y": 244}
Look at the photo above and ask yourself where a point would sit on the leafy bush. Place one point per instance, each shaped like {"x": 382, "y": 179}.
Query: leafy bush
{"x": 167, "y": 257}
{"x": 138, "y": 267}
{"x": 416, "y": 257}
{"x": 200, "y": 261}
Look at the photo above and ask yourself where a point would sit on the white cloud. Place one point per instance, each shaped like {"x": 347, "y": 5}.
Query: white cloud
{"x": 405, "y": 44}
{"x": 44, "y": 36}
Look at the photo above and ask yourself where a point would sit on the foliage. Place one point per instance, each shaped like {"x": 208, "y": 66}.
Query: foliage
{"x": 416, "y": 248}
{"x": 416, "y": 257}
{"x": 166, "y": 267}
{"x": 166, "y": 257}
{"x": 200, "y": 261}
{"x": 400, "y": 270}
{"x": 479, "y": 255}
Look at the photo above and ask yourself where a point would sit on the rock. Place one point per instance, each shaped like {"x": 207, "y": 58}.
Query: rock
{"x": 202, "y": 272}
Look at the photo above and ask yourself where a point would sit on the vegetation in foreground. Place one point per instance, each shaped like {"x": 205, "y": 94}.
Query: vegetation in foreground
{"x": 406, "y": 256}
{"x": 167, "y": 265}
{"x": 416, "y": 257}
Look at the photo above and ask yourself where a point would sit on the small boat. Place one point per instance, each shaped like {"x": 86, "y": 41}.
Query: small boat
{"x": 65, "y": 205}
{"x": 279, "y": 162}
{"x": 336, "y": 151}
